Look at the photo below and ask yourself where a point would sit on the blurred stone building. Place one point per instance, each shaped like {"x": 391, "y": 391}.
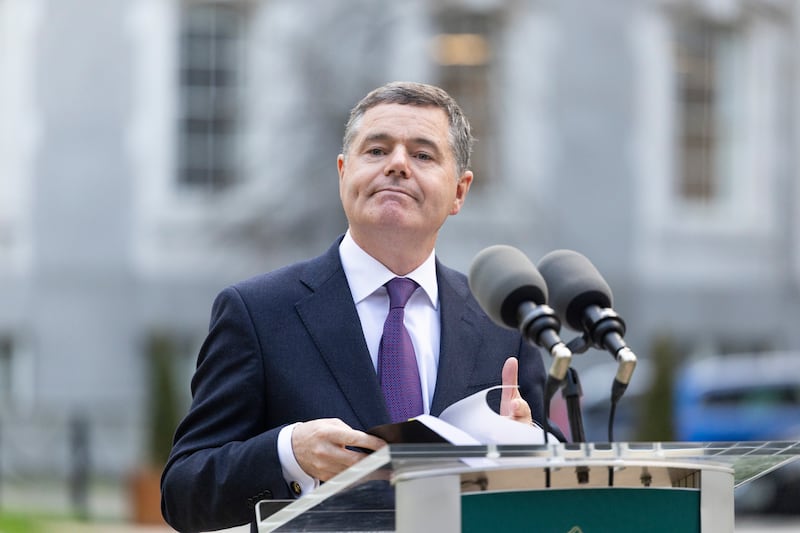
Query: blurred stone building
{"x": 153, "y": 151}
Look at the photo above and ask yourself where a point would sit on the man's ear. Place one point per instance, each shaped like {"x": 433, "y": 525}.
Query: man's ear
{"x": 462, "y": 188}
{"x": 340, "y": 165}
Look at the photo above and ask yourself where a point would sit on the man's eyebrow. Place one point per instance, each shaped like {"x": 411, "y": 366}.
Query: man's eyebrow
{"x": 381, "y": 137}
{"x": 386, "y": 137}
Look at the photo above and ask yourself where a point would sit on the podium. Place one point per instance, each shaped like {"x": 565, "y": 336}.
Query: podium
{"x": 582, "y": 487}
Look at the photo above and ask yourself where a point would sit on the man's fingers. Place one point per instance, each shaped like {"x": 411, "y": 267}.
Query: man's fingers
{"x": 512, "y": 404}
{"x": 359, "y": 439}
{"x": 320, "y": 447}
{"x": 510, "y": 381}
{"x": 521, "y": 411}
{"x": 510, "y": 371}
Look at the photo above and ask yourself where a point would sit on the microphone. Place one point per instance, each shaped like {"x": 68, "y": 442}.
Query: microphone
{"x": 582, "y": 300}
{"x": 513, "y": 293}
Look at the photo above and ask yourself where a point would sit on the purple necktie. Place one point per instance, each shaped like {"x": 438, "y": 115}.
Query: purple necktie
{"x": 397, "y": 363}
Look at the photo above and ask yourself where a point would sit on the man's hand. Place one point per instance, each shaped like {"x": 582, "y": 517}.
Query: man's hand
{"x": 512, "y": 404}
{"x": 320, "y": 446}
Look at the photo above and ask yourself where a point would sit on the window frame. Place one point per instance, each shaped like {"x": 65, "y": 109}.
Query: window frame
{"x": 210, "y": 96}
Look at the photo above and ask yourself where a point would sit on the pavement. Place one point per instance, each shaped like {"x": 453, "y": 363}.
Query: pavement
{"x": 749, "y": 524}
{"x": 57, "y": 526}
{"x": 107, "y": 506}
{"x": 108, "y": 509}
{"x": 95, "y": 527}
{"x": 767, "y": 524}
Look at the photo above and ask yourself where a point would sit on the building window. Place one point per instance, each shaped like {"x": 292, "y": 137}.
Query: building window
{"x": 705, "y": 55}
{"x": 6, "y": 369}
{"x": 462, "y": 49}
{"x": 17, "y": 375}
{"x": 211, "y": 81}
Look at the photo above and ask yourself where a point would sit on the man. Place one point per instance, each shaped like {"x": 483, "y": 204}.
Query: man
{"x": 286, "y": 380}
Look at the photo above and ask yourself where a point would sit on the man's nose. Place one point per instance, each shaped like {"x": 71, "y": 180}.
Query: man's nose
{"x": 398, "y": 162}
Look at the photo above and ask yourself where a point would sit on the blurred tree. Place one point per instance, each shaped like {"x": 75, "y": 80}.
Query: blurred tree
{"x": 163, "y": 407}
{"x": 656, "y": 415}
{"x": 163, "y": 417}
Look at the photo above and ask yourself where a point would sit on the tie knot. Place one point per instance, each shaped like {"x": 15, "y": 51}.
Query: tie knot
{"x": 400, "y": 290}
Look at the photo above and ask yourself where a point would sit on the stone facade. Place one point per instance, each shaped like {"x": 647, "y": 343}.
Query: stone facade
{"x": 102, "y": 249}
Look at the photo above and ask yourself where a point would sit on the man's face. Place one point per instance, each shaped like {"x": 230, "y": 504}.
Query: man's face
{"x": 400, "y": 174}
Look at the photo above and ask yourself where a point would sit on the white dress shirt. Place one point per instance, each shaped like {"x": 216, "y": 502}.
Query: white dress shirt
{"x": 366, "y": 277}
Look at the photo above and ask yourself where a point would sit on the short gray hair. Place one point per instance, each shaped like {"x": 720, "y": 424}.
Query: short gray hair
{"x": 418, "y": 94}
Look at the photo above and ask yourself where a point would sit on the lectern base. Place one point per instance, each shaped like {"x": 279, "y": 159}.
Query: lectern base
{"x": 654, "y": 510}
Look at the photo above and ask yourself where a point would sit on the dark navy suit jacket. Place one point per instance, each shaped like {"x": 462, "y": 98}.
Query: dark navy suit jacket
{"x": 287, "y": 346}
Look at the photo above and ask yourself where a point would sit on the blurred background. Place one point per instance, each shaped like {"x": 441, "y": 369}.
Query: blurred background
{"x": 154, "y": 151}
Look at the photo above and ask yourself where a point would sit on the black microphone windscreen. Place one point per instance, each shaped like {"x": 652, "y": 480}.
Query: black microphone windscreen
{"x": 574, "y": 284}
{"x": 501, "y": 278}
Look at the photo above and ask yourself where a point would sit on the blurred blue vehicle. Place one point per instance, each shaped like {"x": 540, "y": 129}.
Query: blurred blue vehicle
{"x": 748, "y": 397}
{"x": 745, "y": 397}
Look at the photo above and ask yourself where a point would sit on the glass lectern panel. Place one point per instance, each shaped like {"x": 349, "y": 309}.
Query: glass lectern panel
{"x": 363, "y": 498}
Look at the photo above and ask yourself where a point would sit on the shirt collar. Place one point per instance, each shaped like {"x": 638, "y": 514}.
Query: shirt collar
{"x": 365, "y": 274}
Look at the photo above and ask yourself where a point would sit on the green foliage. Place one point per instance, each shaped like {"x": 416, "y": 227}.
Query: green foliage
{"x": 163, "y": 408}
{"x": 656, "y": 415}
{"x": 19, "y": 523}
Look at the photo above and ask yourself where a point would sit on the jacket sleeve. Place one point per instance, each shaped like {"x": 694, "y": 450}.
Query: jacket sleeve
{"x": 224, "y": 457}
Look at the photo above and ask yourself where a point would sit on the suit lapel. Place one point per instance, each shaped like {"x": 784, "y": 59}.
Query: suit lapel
{"x": 460, "y": 342}
{"x": 330, "y": 317}
{"x": 331, "y": 320}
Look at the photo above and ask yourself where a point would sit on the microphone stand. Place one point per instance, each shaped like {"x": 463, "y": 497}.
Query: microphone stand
{"x": 572, "y": 393}
{"x": 609, "y": 327}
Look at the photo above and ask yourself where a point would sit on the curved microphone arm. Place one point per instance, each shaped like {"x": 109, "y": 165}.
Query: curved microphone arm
{"x": 539, "y": 324}
{"x": 604, "y": 330}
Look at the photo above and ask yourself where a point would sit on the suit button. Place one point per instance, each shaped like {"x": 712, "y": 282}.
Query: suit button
{"x": 296, "y": 488}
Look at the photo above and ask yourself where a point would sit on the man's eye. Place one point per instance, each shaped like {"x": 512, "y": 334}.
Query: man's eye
{"x": 424, "y": 156}
{"x": 375, "y": 151}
